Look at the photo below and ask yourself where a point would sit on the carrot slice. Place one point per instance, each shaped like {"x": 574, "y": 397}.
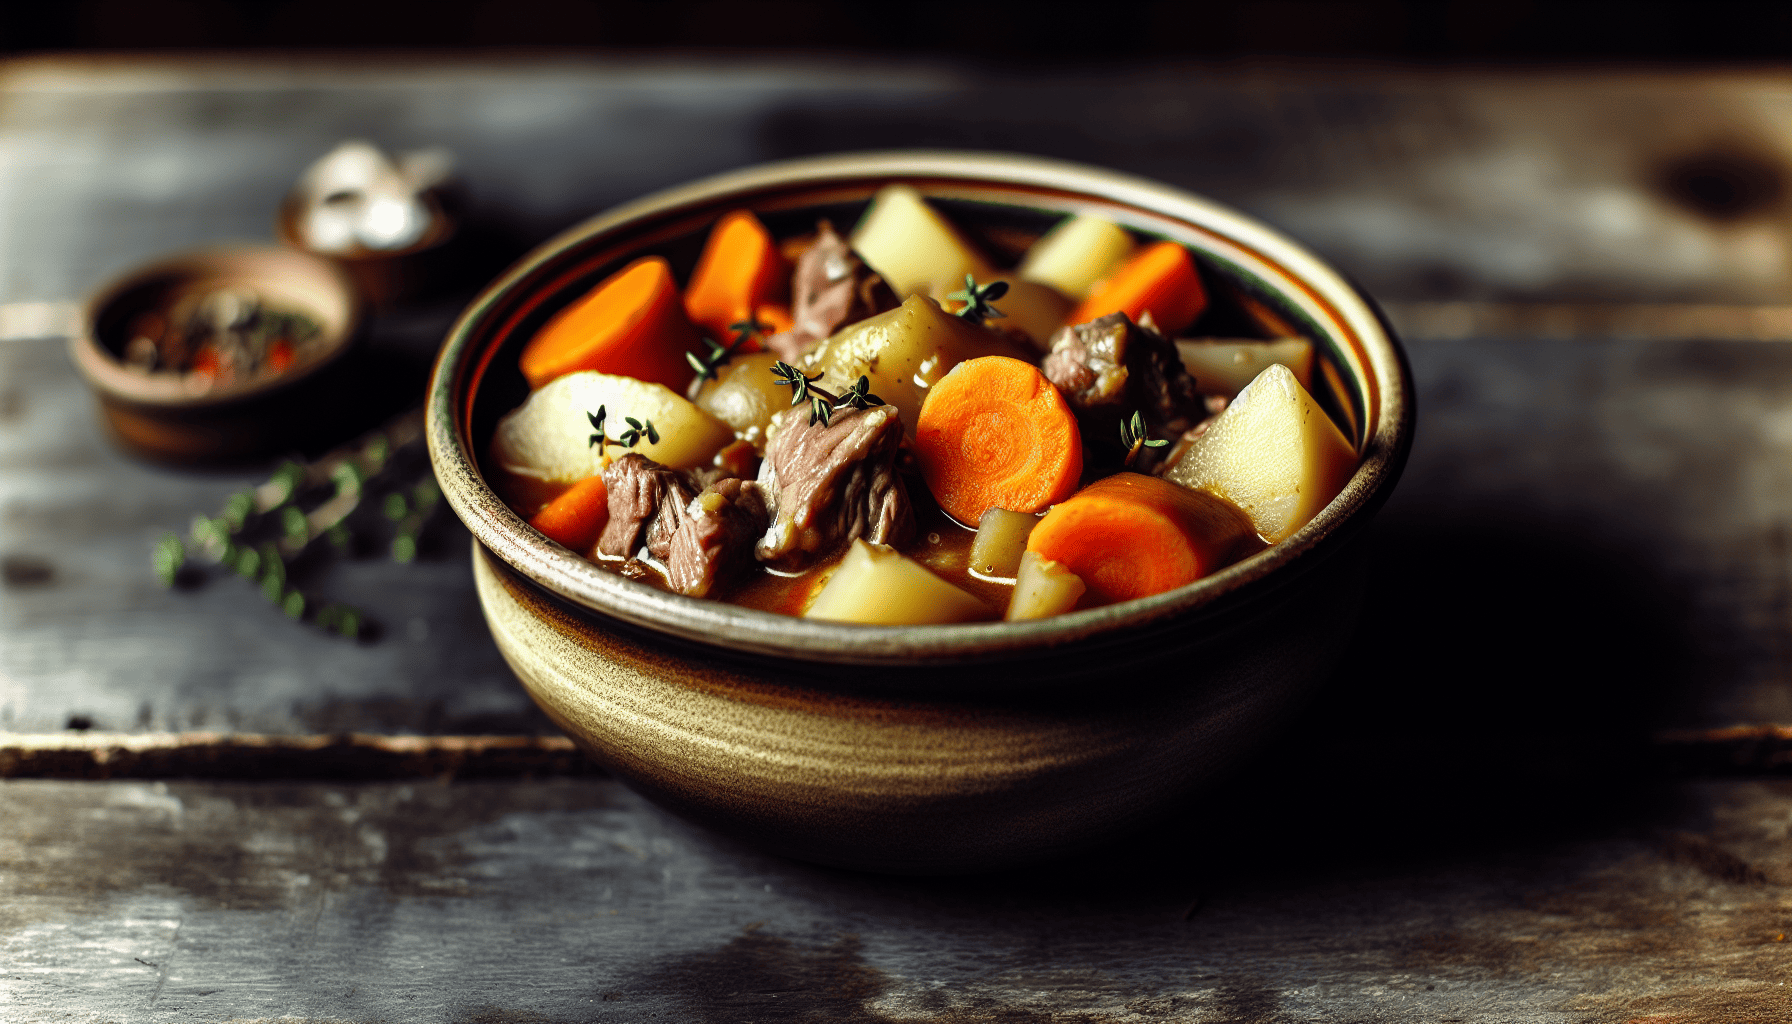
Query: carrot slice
{"x": 994, "y": 433}
{"x": 740, "y": 270}
{"x": 577, "y": 516}
{"x": 632, "y": 325}
{"x": 1130, "y": 535}
{"x": 1160, "y": 279}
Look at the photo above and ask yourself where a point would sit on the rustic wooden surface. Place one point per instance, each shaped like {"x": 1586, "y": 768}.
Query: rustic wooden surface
{"x": 1587, "y": 569}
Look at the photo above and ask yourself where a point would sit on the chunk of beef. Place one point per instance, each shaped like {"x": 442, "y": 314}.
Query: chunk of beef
{"x": 715, "y": 543}
{"x": 1110, "y": 368}
{"x": 832, "y": 287}
{"x": 647, "y": 502}
{"x": 827, "y": 485}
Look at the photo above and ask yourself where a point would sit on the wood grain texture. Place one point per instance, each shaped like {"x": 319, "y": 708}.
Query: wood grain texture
{"x": 572, "y": 901}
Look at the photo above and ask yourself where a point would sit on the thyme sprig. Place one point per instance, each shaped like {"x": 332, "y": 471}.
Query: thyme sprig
{"x": 597, "y": 424}
{"x": 264, "y": 533}
{"x": 977, "y": 308}
{"x": 637, "y": 429}
{"x": 822, "y": 402}
{"x": 1134, "y": 436}
{"x": 707, "y": 364}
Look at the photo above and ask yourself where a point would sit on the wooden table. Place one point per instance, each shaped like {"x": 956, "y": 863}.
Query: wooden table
{"x": 1556, "y": 796}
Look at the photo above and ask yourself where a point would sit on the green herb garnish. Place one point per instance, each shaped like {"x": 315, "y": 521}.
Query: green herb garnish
{"x": 707, "y": 365}
{"x": 977, "y": 308}
{"x": 1134, "y": 436}
{"x": 822, "y": 402}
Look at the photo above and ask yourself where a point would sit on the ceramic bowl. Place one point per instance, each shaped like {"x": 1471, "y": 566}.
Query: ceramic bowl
{"x": 934, "y": 748}
{"x": 163, "y": 415}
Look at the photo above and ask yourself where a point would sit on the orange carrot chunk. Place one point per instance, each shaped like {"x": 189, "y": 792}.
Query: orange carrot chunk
{"x": 633, "y": 325}
{"x": 1130, "y": 535}
{"x": 577, "y": 516}
{"x": 1160, "y": 279}
{"x": 994, "y": 433}
{"x": 740, "y": 270}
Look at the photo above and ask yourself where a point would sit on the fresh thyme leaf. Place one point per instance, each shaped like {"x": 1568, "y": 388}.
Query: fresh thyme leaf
{"x": 169, "y": 555}
{"x": 859, "y": 396}
{"x": 977, "y": 300}
{"x": 1134, "y": 436}
{"x": 637, "y": 430}
{"x": 597, "y": 424}
{"x": 799, "y": 383}
{"x": 822, "y": 402}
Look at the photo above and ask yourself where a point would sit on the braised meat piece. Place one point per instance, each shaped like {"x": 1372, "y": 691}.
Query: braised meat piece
{"x": 646, "y": 499}
{"x": 716, "y": 540}
{"x": 832, "y": 287}
{"x": 1111, "y": 367}
{"x": 828, "y": 484}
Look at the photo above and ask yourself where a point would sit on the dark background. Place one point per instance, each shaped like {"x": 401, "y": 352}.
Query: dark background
{"x": 1004, "y": 32}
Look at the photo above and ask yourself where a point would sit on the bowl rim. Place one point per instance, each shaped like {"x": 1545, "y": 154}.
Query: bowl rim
{"x": 1380, "y": 365}
{"x": 107, "y": 375}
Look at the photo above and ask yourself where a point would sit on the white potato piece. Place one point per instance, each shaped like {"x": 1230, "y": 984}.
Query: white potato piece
{"x": 1274, "y": 453}
{"x": 913, "y": 247}
{"x": 745, "y": 395}
{"x": 1001, "y": 537}
{"x": 1077, "y": 254}
{"x": 1043, "y": 588}
{"x": 878, "y": 586}
{"x": 1034, "y": 309}
{"x": 904, "y": 351}
{"x": 1223, "y": 366}
{"x": 548, "y": 436}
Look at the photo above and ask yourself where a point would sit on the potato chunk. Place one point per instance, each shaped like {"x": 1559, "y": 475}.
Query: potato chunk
{"x": 548, "y": 436}
{"x": 913, "y": 247}
{"x": 1223, "y": 367}
{"x": 1043, "y": 588}
{"x": 1077, "y": 254}
{"x": 904, "y": 351}
{"x": 1001, "y": 537}
{"x": 745, "y": 395}
{"x": 1033, "y": 309}
{"x": 1274, "y": 453}
{"x": 877, "y": 586}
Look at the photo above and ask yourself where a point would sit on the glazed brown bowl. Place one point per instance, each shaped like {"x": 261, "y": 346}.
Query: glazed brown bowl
{"x": 925, "y": 748}
{"x": 159, "y": 415}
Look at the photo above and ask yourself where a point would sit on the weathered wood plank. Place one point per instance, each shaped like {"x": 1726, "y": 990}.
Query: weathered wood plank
{"x": 572, "y": 901}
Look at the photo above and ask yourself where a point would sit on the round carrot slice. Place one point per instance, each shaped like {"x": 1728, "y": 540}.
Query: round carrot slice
{"x": 994, "y": 433}
{"x": 631, "y": 325}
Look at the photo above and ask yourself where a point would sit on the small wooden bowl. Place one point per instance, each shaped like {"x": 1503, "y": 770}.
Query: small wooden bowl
{"x": 158, "y": 415}
{"x": 934, "y": 748}
{"x": 386, "y": 278}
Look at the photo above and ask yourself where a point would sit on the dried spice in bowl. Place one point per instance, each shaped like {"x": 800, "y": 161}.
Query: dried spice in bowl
{"x": 220, "y": 337}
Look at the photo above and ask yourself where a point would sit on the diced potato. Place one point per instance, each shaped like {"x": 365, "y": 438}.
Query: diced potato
{"x": 1043, "y": 588}
{"x": 904, "y": 351}
{"x": 1077, "y": 254}
{"x": 876, "y": 585}
{"x": 913, "y": 247}
{"x": 1273, "y": 452}
{"x": 1001, "y": 537}
{"x": 745, "y": 395}
{"x": 1035, "y": 309}
{"x": 548, "y": 436}
{"x": 1224, "y": 367}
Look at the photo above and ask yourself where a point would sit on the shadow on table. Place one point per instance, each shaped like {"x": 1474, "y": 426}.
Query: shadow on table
{"x": 1511, "y": 711}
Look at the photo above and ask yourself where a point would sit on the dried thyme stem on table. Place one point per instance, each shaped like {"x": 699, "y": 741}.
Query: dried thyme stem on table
{"x": 263, "y": 532}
